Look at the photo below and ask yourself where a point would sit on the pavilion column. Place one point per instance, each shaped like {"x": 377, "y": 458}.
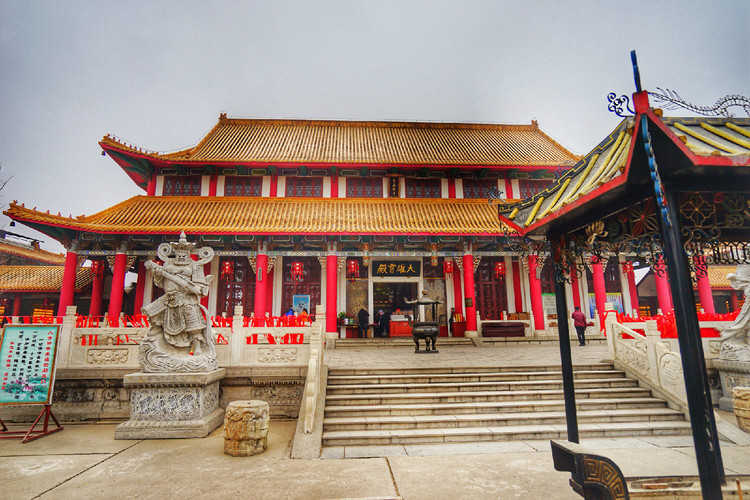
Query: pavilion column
{"x": 600, "y": 289}
{"x": 630, "y": 275}
{"x": 663, "y": 295}
{"x": 517, "y": 295}
{"x": 331, "y": 288}
{"x": 471, "y": 310}
{"x": 261, "y": 264}
{"x": 458, "y": 298}
{"x": 704, "y": 285}
{"x": 69, "y": 279}
{"x": 269, "y": 292}
{"x": 535, "y": 290}
{"x": 140, "y": 287}
{"x": 97, "y": 291}
{"x": 151, "y": 187}
{"x": 118, "y": 282}
{"x": 17, "y": 304}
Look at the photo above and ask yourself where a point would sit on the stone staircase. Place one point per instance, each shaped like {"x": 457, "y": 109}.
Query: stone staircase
{"x": 451, "y": 405}
{"x": 401, "y": 342}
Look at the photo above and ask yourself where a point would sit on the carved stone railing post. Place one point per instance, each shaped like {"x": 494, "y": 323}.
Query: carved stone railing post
{"x": 609, "y": 329}
{"x": 235, "y": 341}
{"x": 65, "y": 338}
{"x": 652, "y": 337}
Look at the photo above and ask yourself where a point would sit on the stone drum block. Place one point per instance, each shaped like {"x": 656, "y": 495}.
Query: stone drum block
{"x": 246, "y": 428}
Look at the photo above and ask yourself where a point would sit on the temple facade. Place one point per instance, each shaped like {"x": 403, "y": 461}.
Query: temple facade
{"x": 349, "y": 216}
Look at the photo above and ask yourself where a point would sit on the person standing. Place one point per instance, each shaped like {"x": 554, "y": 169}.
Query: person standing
{"x": 364, "y": 322}
{"x": 579, "y": 322}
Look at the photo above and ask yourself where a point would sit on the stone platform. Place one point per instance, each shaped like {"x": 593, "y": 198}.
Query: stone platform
{"x": 172, "y": 405}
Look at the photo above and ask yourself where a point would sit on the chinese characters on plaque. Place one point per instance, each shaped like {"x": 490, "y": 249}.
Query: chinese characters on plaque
{"x": 408, "y": 268}
{"x": 27, "y": 354}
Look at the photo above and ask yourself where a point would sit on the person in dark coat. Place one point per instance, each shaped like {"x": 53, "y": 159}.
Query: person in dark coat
{"x": 364, "y": 322}
{"x": 384, "y": 324}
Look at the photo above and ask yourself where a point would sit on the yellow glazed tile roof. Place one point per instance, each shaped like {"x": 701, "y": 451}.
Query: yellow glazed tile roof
{"x": 717, "y": 276}
{"x": 39, "y": 278}
{"x": 8, "y": 248}
{"x": 713, "y": 136}
{"x": 358, "y": 142}
{"x": 235, "y": 215}
{"x": 606, "y": 162}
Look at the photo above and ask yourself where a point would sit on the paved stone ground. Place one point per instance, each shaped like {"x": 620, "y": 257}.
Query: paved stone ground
{"x": 84, "y": 460}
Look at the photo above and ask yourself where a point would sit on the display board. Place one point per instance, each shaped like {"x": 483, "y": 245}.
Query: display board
{"x": 27, "y": 354}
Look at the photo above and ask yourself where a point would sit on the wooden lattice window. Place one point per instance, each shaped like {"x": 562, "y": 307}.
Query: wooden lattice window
{"x": 309, "y": 285}
{"x": 491, "y": 297}
{"x": 478, "y": 188}
{"x": 238, "y": 289}
{"x": 529, "y": 188}
{"x": 242, "y": 186}
{"x": 305, "y": 187}
{"x": 364, "y": 187}
{"x": 179, "y": 185}
{"x": 423, "y": 188}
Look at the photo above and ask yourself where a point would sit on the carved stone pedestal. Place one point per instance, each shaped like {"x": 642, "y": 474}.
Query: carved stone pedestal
{"x": 172, "y": 405}
{"x": 733, "y": 374}
{"x": 742, "y": 407}
{"x": 246, "y": 428}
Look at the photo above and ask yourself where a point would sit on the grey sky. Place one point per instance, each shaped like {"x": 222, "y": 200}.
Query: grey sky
{"x": 158, "y": 74}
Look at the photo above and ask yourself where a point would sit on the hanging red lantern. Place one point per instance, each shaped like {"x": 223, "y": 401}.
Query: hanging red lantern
{"x": 97, "y": 269}
{"x": 227, "y": 269}
{"x": 447, "y": 266}
{"x": 298, "y": 270}
{"x": 499, "y": 269}
{"x": 352, "y": 269}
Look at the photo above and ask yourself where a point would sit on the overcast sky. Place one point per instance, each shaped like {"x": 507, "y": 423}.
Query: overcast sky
{"x": 158, "y": 74}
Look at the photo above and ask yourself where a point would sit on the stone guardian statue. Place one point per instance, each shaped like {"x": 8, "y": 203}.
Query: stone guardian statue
{"x": 179, "y": 338}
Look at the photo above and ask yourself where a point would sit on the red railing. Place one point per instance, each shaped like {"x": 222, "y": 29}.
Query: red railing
{"x": 667, "y": 327}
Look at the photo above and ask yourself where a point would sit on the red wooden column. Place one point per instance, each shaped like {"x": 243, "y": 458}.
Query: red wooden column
{"x": 69, "y": 279}
{"x": 269, "y": 291}
{"x": 704, "y": 286}
{"x": 331, "y": 288}
{"x": 734, "y": 302}
{"x": 458, "y": 296}
{"x": 151, "y": 187}
{"x": 212, "y": 184}
{"x": 471, "y": 310}
{"x": 576, "y": 291}
{"x": 663, "y": 295}
{"x": 118, "y": 283}
{"x": 140, "y": 287}
{"x": 452, "y": 192}
{"x": 261, "y": 265}
{"x": 97, "y": 289}
{"x": 273, "y": 186}
{"x": 517, "y": 284}
{"x": 535, "y": 290}
{"x": 17, "y": 304}
{"x": 634, "y": 305}
{"x": 600, "y": 289}
{"x": 334, "y": 191}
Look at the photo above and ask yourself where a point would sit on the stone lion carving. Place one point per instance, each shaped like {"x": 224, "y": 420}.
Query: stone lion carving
{"x": 735, "y": 343}
{"x": 179, "y": 339}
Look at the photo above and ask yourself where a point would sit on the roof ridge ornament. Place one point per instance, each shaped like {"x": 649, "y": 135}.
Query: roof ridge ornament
{"x": 670, "y": 99}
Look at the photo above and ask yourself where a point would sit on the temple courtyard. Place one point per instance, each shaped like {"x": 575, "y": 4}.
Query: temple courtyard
{"x": 84, "y": 461}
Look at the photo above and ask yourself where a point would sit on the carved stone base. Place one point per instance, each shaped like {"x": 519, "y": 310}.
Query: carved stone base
{"x": 742, "y": 407}
{"x": 246, "y": 428}
{"x": 158, "y": 356}
{"x": 172, "y": 405}
{"x": 733, "y": 374}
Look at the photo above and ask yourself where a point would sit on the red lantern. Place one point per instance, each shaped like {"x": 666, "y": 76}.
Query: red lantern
{"x": 97, "y": 269}
{"x": 499, "y": 269}
{"x": 227, "y": 269}
{"x": 447, "y": 266}
{"x": 352, "y": 269}
{"x": 298, "y": 270}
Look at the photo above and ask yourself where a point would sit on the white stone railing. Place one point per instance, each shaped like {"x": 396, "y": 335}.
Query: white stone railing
{"x": 652, "y": 359}
{"x": 313, "y": 381}
{"x": 85, "y": 347}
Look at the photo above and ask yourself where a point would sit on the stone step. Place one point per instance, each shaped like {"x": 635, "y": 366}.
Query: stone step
{"x": 523, "y": 385}
{"x": 400, "y": 342}
{"x": 491, "y": 406}
{"x": 465, "y": 397}
{"x": 338, "y": 380}
{"x": 353, "y": 423}
{"x": 451, "y": 370}
{"x": 502, "y": 433}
